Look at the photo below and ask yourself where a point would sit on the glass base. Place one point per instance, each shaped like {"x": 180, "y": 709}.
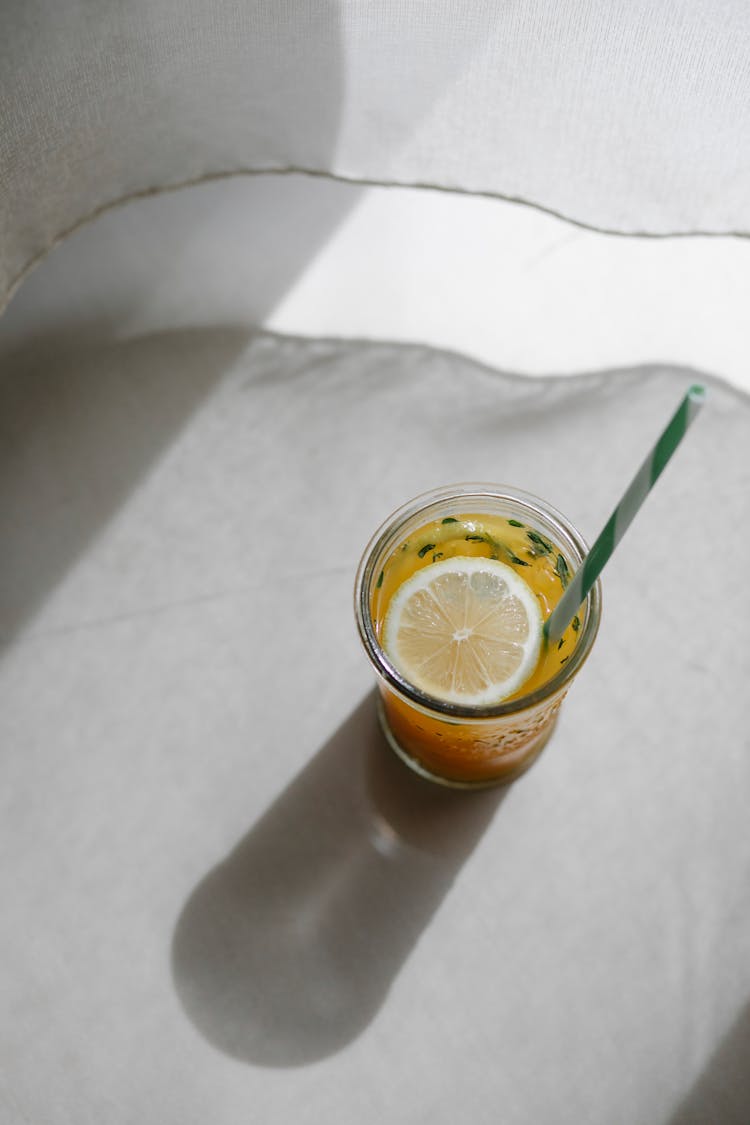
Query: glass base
{"x": 452, "y": 783}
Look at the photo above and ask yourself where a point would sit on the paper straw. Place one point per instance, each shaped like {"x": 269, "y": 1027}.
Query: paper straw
{"x": 615, "y": 527}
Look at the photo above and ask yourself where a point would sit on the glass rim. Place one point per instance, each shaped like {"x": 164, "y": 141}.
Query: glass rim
{"x": 390, "y": 528}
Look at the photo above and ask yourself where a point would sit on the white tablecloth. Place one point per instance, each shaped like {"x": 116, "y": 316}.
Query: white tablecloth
{"x": 223, "y": 900}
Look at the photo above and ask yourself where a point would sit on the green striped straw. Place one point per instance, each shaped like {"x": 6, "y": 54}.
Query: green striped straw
{"x": 617, "y": 524}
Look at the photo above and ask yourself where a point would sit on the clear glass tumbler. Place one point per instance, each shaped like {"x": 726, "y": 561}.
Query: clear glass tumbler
{"x": 457, "y": 745}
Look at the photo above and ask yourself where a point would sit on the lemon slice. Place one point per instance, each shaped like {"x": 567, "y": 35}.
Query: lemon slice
{"x": 466, "y": 630}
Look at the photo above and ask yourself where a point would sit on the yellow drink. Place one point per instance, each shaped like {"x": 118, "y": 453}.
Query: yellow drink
{"x": 454, "y": 744}
{"x": 539, "y": 562}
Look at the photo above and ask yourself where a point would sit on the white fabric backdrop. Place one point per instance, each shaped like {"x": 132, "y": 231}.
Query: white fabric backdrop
{"x": 220, "y": 902}
{"x": 511, "y": 286}
{"x": 634, "y": 117}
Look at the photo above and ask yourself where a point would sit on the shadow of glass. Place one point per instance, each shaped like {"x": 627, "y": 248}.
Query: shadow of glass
{"x": 721, "y": 1095}
{"x": 286, "y": 950}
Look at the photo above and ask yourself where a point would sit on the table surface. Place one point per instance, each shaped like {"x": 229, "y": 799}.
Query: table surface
{"x": 223, "y": 898}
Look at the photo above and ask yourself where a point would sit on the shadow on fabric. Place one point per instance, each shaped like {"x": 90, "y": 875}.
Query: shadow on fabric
{"x": 721, "y": 1094}
{"x": 285, "y": 951}
{"x": 84, "y": 417}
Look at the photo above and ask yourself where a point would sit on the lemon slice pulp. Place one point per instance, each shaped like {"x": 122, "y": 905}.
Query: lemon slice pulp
{"x": 465, "y": 630}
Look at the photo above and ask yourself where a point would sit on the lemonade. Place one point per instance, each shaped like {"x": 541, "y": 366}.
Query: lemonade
{"x": 537, "y": 560}
{"x": 451, "y": 598}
